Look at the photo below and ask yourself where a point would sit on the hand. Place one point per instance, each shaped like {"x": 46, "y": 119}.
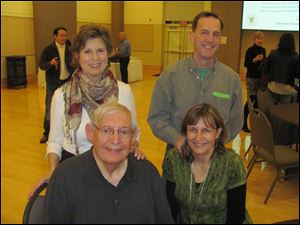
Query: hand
{"x": 259, "y": 57}
{"x": 179, "y": 142}
{"x": 137, "y": 152}
{"x": 40, "y": 183}
{"x": 43, "y": 180}
{"x": 54, "y": 61}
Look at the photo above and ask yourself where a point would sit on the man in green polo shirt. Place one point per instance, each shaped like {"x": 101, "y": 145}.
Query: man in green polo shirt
{"x": 198, "y": 79}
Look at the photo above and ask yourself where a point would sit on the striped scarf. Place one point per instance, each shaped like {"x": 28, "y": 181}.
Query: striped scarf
{"x": 80, "y": 92}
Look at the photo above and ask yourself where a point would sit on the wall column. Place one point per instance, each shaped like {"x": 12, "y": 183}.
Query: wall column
{"x": 229, "y": 52}
{"x": 117, "y": 21}
{"x": 48, "y": 15}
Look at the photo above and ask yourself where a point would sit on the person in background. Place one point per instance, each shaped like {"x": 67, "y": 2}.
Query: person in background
{"x": 107, "y": 184}
{"x": 206, "y": 184}
{"x": 56, "y": 60}
{"x": 123, "y": 54}
{"x": 91, "y": 85}
{"x": 194, "y": 80}
{"x": 253, "y": 60}
{"x": 282, "y": 68}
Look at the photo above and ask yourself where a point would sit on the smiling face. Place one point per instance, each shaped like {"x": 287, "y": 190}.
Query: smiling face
{"x": 93, "y": 58}
{"x": 111, "y": 148}
{"x": 206, "y": 39}
{"x": 201, "y": 137}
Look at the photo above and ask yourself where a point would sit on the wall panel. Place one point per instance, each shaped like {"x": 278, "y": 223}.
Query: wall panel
{"x": 47, "y": 16}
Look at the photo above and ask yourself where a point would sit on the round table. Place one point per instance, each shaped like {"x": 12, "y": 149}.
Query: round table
{"x": 288, "y": 112}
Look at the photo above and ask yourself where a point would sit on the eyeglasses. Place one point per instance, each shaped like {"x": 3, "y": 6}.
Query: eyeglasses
{"x": 109, "y": 131}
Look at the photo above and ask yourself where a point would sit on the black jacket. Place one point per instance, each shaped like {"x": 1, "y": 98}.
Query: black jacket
{"x": 52, "y": 73}
{"x": 282, "y": 68}
{"x": 253, "y": 68}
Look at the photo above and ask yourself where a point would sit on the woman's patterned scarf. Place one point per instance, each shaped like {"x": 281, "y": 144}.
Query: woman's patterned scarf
{"x": 80, "y": 92}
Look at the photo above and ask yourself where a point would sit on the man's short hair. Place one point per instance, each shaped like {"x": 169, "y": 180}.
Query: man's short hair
{"x": 55, "y": 31}
{"x": 205, "y": 14}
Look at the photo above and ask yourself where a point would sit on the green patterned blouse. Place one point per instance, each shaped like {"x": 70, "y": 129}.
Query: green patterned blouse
{"x": 206, "y": 203}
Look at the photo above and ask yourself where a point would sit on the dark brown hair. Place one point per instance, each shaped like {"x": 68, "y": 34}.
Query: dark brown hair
{"x": 87, "y": 32}
{"x": 286, "y": 43}
{"x": 55, "y": 31}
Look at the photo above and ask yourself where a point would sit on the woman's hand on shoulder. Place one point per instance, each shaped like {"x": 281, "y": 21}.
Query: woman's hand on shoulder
{"x": 138, "y": 153}
{"x": 40, "y": 183}
{"x": 179, "y": 143}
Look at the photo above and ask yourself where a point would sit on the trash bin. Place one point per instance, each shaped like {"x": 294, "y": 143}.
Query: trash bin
{"x": 16, "y": 71}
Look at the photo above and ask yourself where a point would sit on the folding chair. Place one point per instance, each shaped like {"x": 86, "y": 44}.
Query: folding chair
{"x": 250, "y": 105}
{"x": 265, "y": 101}
{"x": 33, "y": 213}
{"x": 279, "y": 156}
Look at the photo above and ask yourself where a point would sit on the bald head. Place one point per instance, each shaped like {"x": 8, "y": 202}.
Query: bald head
{"x": 122, "y": 36}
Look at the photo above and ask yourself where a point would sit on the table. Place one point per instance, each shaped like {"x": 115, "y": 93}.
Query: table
{"x": 285, "y": 123}
{"x": 288, "y": 112}
{"x": 115, "y": 69}
{"x": 135, "y": 70}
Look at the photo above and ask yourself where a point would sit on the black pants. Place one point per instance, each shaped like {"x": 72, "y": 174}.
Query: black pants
{"x": 124, "y": 61}
{"x": 50, "y": 89}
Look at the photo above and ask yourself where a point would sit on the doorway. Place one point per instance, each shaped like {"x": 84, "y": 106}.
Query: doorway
{"x": 177, "y": 45}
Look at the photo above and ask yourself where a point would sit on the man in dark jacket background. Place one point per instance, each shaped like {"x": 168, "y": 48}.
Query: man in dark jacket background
{"x": 56, "y": 60}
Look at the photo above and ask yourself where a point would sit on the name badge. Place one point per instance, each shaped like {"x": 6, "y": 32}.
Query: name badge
{"x": 221, "y": 95}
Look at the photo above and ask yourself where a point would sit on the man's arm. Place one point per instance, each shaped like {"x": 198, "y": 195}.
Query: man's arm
{"x": 48, "y": 60}
{"x": 170, "y": 190}
{"x": 161, "y": 207}
{"x": 124, "y": 49}
{"x": 159, "y": 117}
{"x": 236, "y": 117}
{"x": 236, "y": 202}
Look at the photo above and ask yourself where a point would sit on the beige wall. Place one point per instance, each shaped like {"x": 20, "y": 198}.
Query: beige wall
{"x": 145, "y": 19}
{"x": 229, "y": 51}
{"x": 98, "y": 12}
{"x": 17, "y": 8}
{"x": 173, "y": 10}
{"x": 149, "y": 48}
{"x": 17, "y": 34}
{"x": 94, "y": 11}
{"x": 47, "y": 16}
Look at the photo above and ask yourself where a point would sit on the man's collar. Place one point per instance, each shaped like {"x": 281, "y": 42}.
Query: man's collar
{"x": 59, "y": 45}
{"x": 194, "y": 67}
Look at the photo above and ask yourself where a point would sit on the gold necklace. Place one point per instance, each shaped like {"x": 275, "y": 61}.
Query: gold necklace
{"x": 191, "y": 187}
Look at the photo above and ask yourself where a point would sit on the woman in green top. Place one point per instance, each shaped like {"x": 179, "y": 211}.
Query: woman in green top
{"x": 205, "y": 182}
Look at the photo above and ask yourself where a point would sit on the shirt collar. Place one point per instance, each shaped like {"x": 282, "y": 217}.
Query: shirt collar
{"x": 58, "y": 45}
{"x": 193, "y": 67}
{"x": 130, "y": 175}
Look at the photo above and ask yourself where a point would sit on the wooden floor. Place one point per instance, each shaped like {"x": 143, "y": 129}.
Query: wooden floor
{"x": 23, "y": 157}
